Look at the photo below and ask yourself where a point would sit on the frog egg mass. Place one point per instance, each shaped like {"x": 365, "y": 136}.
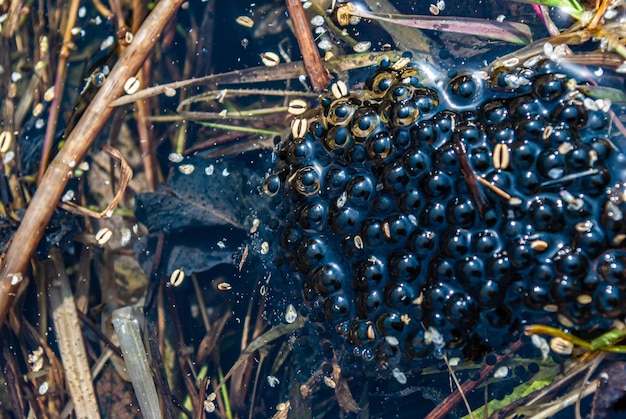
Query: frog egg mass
{"x": 416, "y": 219}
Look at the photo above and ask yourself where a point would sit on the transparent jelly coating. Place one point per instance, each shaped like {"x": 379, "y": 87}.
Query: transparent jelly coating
{"x": 427, "y": 219}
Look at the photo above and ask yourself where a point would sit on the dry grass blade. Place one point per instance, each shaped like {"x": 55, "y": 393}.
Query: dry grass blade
{"x": 70, "y": 340}
{"x": 128, "y": 331}
{"x": 126, "y": 173}
{"x": 260, "y": 74}
{"x": 78, "y": 142}
{"x": 267, "y": 337}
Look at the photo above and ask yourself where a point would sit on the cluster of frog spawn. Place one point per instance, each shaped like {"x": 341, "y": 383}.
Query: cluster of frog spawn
{"x": 421, "y": 219}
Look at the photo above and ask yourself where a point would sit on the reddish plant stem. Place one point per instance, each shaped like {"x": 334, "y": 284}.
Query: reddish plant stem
{"x": 312, "y": 61}
{"x": 77, "y": 144}
{"x": 446, "y": 406}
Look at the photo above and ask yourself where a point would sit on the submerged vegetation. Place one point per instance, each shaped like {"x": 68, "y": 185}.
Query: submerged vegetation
{"x": 312, "y": 209}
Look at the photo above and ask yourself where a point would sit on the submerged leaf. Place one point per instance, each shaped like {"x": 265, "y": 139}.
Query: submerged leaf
{"x": 517, "y": 33}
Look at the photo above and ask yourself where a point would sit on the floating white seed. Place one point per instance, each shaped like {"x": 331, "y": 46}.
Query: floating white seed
{"x": 108, "y": 42}
{"x": 38, "y": 109}
{"x": 362, "y": 46}
{"x": 565, "y": 148}
{"x": 358, "y": 242}
{"x": 209, "y": 170}
{"x": 561, "y": 346}
{"x": 297, "y": 107}
{"x": 175, "y": 157}
{"x": 177, "y": 277}
{"x": 339, "y": 89}
{"x": 441, "y": 4}
{"x": 513, "y": 61}
{"x": 131, "y": 86}
{"x": 399, "y": 376}
{"x": 501, "y": 158}
{"x": 299, "y": 127}
{"x": 272, "y": 381}
{"x": 291, "y": 314}
{"x": 169, "y": 92}
{"x": 104, "y": 235}
{"x": 6, "y": 138}
{"x": 584, "y": 299}
{"x": 128, "y": 37}
{"x": 583, "y": 226}
{"x": 281, "y": 407}
{"x": 325, "y": 44}
{"x": 551, "y": 308}
{"x": 209, "y": 407}
{"x": 317, "y": 20}
{"x": 49, "y": 95}
{"x": 433, "y": 9}
{"x": 75, "y": 30}
{"x": 539, "y": 245}
{"x": 392, "y": 340}
{"x": 371, "y": 333}
{"x": 8, "y": 157}
{"x": 211, "y": 397}
{"x": 224, "y": 286}
{"x": 186, "y": 169}
{"x": 270, "y": 59}
{"x": 43, "y": 388}
{"x": 265, "y": 248}
{"x": 16, "y": 278}
{"x": 82, "y": 12}
{"x": 125, "y": 236}
{"x": 68, "y": 195}
{"x": 245, "y": 21}
{"x": 39, "y": 123}
{"x": 501, "y": 372}
{"x": 405, "y": 318}
{"x": 454, "y": 361}
{"x": 329, "y": 382}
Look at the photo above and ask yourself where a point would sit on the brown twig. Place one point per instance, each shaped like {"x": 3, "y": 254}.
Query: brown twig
{"x": 312, "y": 61}
{"x": 78, "y": 142}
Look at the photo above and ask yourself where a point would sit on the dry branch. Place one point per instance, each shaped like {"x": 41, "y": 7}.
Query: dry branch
{"x": 78, "y": 142}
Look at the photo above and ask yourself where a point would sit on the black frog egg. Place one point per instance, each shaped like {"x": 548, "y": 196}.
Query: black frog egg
{"x": 570, "y": 112}
{"x": 546, "y": 214}
{"x": 436, "y": 184}
{"x": 495, "y": 112}
{"x": 360, "y": 190}
{"x": 364, "y": 122}
{"x": 393, "y": 233}
{"x": 327, "y": 279}
{"x": 379, "y": 146}
{"x": 338, "y": 138}
{"x": 463, "y": 88}
{"x": 549, "y": 87}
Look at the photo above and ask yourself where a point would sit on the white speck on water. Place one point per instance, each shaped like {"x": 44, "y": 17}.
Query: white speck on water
{"x": 209, "y": 170}
{"x": 225, "y": 172}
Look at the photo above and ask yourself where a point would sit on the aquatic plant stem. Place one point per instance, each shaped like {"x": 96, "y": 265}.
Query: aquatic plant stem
{"x": 79, "y": 140}
{"x": 59, "y": 86}
{"x": 311, "y": 57}
{"x": 446, "y": 405}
